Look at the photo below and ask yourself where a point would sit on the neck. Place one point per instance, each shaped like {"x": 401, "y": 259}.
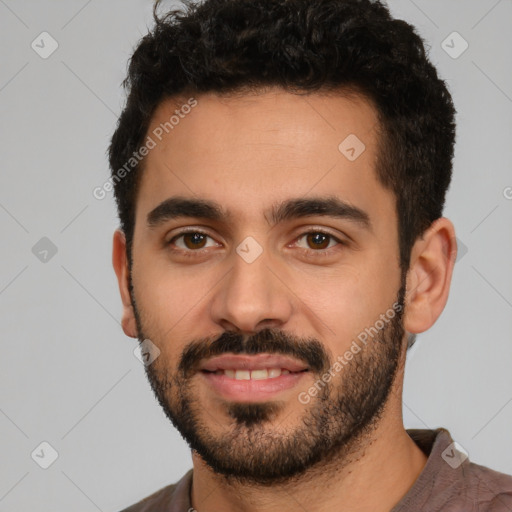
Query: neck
{"x": 374, "y": 476}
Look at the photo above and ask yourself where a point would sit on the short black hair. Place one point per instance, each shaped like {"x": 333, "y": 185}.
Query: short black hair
{"x": 302, "y": 46}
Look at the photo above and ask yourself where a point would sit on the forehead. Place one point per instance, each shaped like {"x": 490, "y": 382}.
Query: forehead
{"x": 274, "y": 117}
{"x": 247, "y": 152}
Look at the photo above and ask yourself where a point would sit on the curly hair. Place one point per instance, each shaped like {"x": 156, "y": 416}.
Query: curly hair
{"x": 302, "y": 46}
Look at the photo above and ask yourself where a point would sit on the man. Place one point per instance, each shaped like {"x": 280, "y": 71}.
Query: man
{"x": 280, "y": 171}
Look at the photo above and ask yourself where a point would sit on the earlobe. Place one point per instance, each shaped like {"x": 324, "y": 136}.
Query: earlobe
{"x": 429, "y": 276}
{"x": 120, "y": 264}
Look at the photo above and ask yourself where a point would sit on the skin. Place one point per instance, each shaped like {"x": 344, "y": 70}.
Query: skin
{"x": 247, "y": 153}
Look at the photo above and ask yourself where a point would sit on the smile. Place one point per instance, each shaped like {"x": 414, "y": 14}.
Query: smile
{"x": 265, "y": 373}
{"x": 251, "y": 386}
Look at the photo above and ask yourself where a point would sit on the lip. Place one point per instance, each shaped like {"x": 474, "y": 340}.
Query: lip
{"x": 251, "y": 390}
{"x": 255, "y": 362}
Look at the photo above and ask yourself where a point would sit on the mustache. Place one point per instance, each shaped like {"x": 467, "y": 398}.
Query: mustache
{"x": 273, "y": 341}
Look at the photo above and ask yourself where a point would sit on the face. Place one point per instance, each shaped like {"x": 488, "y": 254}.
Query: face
{"x": 266, "y": 271}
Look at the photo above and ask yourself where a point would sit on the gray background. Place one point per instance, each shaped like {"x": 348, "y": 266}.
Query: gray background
{"x": 69, "y": 375}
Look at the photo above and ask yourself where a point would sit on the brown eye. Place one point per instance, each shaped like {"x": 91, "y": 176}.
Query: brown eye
{"x": 318, "y": 240}
{"x": 194, "y": 240}
{"x": 190, "y": 241}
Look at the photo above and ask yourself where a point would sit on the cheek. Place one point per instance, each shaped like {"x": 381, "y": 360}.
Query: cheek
{"x": 161, "y": 305}
{"x": 166, "y": 292}
{"x": 345, "y": 301}
{"x": 336, "y": 304}
{"x": 173, "y": 303}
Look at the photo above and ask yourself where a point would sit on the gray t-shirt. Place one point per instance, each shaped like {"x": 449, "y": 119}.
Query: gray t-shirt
{"x": 449, "y": 482}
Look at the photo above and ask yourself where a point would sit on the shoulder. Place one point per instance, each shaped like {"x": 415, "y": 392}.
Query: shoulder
{"x": 153, "y": 502}
{"x": 171, "y": 497}
{"x": 451, "y": 482}
{"x": 491, "y": 489}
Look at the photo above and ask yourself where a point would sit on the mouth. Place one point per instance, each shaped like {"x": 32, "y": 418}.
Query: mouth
{"x": 261, "y": 374}
{"x": 252, "y": 363}
{"x": 252, "y": 378}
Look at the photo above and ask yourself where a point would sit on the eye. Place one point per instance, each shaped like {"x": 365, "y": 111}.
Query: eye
{"x": 191, "y": 240}
{"x": 317, "y": 242}
{"x": 320, "y": 241}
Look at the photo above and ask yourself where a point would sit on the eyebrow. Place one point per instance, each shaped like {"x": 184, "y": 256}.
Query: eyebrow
{"x": 182, "y": 207}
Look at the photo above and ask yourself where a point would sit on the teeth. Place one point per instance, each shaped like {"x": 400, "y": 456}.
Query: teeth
{"x": 259, "y": 374}
{"x": 264, "y": 373}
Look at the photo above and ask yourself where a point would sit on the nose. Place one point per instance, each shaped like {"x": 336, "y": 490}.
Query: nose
{"x": 253, "y": 296}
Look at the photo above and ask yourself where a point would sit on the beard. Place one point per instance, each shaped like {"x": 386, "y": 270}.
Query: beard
{"x": 251, "y": 449}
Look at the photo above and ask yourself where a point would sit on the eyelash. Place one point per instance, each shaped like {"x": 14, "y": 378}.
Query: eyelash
{"x": 313, "y": 252}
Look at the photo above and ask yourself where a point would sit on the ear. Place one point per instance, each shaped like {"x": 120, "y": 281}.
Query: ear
{"x": 429, "y": 276}
{"x": 120, "y": 263}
